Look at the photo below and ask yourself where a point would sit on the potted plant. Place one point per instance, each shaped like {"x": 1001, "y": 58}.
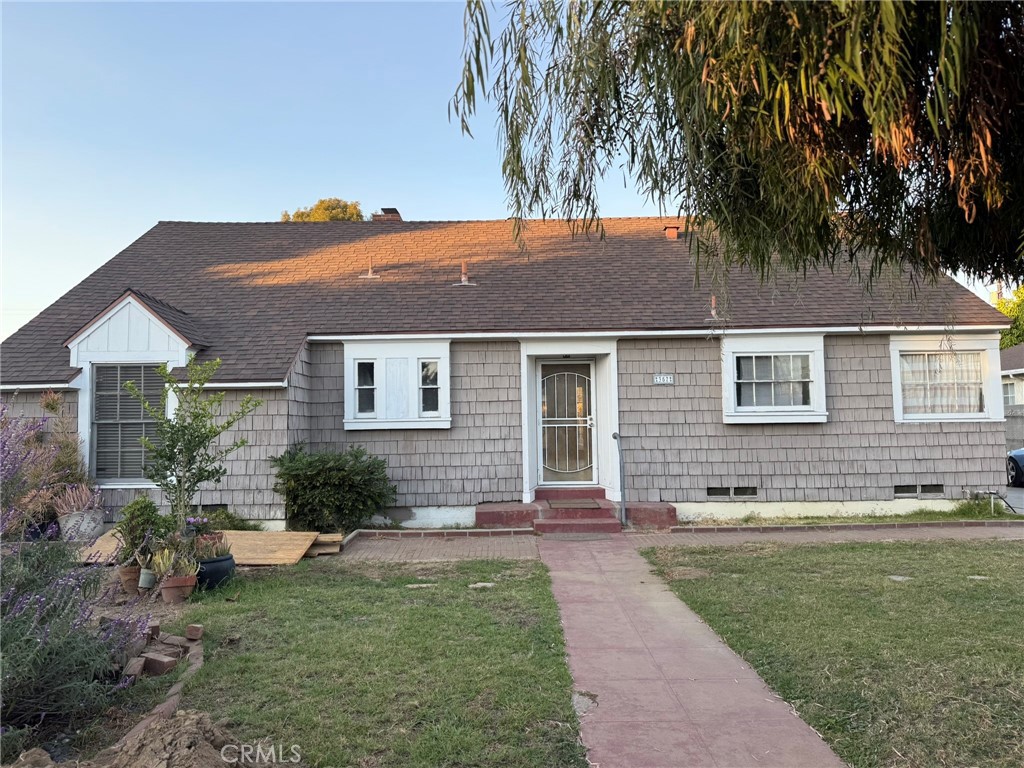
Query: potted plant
{"x": 176, "y": 569}
{"x": 216, "y": 563}
{"x": 79, "y": 512}
{"x": 138, "y": 532}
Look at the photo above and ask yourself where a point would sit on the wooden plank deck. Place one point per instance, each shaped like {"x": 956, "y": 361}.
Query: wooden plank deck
{"x": 248, "y": 547}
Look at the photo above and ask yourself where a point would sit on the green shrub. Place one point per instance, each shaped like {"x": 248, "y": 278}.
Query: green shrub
{"x": 223, "y": 519}
{"x": 331, "y": 491}
{"x": 139, "y": 528}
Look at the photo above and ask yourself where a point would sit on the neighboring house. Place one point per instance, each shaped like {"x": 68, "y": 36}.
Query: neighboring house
{"x": 483, "y": 372}
{"x": 1012, "y": 365}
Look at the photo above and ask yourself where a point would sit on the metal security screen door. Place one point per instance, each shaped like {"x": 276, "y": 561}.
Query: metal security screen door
{"x": 566, "y": 423}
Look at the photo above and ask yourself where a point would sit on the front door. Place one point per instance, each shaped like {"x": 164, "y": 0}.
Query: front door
{"x": 566, "y": 423}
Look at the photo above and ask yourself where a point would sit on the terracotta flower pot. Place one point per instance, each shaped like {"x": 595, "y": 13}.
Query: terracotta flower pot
{"x": 129, "y": 576}
{"x": 176, "y": 589}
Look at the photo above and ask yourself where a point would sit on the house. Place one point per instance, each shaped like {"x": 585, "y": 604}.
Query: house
{"x": 490, "y": 373}
{"x": 1012, "y": 366}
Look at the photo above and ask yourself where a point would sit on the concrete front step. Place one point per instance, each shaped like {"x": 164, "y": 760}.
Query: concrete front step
{"x": 559, "y": 494}
{"x": 577, "y": 526}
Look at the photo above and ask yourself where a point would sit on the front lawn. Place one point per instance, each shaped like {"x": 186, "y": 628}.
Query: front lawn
{"x": 925, "y": 670}
{"x": 347, "y": 662}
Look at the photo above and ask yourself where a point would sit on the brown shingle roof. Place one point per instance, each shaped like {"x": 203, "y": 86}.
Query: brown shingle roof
{"x": 1012, "y": 359}
{"x": 256, "y": 290}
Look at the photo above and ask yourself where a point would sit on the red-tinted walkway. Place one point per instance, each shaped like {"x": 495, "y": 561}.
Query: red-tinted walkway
{"x": 658, "y": 688}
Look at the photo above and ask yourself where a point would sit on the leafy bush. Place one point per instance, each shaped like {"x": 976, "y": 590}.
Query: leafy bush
{"x": 223, "y": 519}
{"x": 58, "y": 668}
{"x": 140, "y": 528}
{"x": 331, "y": 491}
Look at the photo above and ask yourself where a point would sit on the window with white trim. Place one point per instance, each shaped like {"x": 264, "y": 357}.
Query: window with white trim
{"x": 430, "y": 388}
{"x": 119, "y": 420}
{"x": 773, "y": 379}
{"x": 946, "y": 379}
{"x": 941, "y": 382}
{"x": 366, "y": 390}
{"x": 397, "y": 385}
{"x": 1009, "y": 393}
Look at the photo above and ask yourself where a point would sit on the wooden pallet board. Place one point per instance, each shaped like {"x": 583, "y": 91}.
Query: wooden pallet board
{"x": 103, "y": 550}
{"x": 248, "y": 547}
{"x": 269, "y": 547}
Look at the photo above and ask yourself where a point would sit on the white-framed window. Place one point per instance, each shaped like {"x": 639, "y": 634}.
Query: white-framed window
{"x": 119, "y": 420}
{"x": 397, "y": 385}
{"x": 366, "y": 389}
{"x": 430, "y": 388}
{"x": 946, "y": 378}
{"x": 773, "y": 379}
{"x": 1009, "y": 393}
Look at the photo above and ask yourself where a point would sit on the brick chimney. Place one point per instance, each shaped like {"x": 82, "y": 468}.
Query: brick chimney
{"x": 387, "y": 214}
{"x": 672, "y": 232}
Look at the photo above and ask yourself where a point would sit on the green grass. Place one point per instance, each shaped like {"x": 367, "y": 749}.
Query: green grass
{"x": 965, "y": 510}
{"x": 356, "y": 669}
{"x": 926, "y": 672}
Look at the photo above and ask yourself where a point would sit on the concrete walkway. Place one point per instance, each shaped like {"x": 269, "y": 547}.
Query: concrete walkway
{"x": 658, "y": 688}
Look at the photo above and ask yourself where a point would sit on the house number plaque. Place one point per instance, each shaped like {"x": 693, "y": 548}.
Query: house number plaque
{"x": 664, "y": 378}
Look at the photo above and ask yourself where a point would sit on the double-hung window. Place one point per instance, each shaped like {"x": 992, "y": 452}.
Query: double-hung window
{"x": 119, "y": 420}
{"x": 397, "y": 385}
{"x": 366, "y": 389}
{"x": 430, "y": 388}
{"x": 1009, "y": 393}
{"x": 773, "y": 379}
{"x": 937, "y": 379}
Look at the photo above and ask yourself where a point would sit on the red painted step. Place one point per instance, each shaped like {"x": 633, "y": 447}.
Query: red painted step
{"x": 558, "y": 494}
{"x": 577, "y": 526}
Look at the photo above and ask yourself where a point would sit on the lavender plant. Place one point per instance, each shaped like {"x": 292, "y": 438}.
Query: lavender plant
{"x": 59, "y": 667}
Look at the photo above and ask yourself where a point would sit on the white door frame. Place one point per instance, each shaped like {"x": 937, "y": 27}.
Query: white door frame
{"x": 603, "y": 352}
{"x": 539, "y": 383}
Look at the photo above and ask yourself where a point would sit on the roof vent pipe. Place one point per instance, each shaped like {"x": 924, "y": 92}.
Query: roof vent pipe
{"x": 464, "y": 279}
{"x": 370, "y": 274}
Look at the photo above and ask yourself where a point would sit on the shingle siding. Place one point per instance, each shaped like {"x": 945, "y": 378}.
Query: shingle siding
{"x": 677, "y": 446}
{"x": 478, "y": 459}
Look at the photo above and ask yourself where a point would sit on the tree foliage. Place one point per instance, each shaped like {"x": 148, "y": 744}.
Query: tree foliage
{"x": 326, "y": 209}
{"x": 812, "y": 131}
{"x": 184, "y": 454}
{"x": 1013, "y": 307}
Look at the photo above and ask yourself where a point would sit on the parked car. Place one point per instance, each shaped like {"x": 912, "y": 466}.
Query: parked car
{"x": 1014, "y": 463}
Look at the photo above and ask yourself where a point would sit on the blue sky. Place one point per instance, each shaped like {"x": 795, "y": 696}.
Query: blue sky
{"x": 118, "y": 115}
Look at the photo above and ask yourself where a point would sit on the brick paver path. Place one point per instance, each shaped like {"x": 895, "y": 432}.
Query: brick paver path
{"x": 666, "y": 691}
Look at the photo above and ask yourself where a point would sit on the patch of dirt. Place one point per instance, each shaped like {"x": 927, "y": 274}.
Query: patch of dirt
{"x": 190, "y": 739}
{"x": 682, "y": 572}
{"x": 114, "y": 601}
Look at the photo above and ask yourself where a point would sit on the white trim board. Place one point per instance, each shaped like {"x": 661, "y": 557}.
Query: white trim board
{"x": 866, "y": 330}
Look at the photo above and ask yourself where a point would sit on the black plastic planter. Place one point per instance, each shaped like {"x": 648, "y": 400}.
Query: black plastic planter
{"x": 213, "y": 573}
